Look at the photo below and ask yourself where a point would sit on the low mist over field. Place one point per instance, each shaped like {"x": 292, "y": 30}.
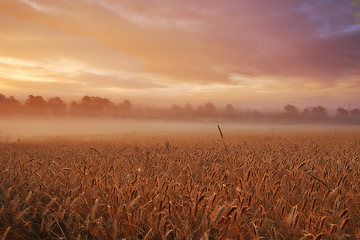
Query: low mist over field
{"x": 17, "y": 128}
{"x": 38, "y": 116}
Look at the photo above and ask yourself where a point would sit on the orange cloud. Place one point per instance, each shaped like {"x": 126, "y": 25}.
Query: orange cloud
{"x": 187, "y": 48}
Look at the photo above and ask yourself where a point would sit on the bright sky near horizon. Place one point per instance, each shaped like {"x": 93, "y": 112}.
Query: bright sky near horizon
{"x": 254, "y": 53}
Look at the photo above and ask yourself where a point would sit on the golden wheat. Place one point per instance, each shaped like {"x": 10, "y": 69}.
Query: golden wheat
{"x": 271, "y": 186}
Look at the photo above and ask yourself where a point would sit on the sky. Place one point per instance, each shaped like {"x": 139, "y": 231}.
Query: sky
{"x": 247, "y": 53}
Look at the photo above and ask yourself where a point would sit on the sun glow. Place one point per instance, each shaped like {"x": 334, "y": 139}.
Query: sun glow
{"x": 187, "y": 50}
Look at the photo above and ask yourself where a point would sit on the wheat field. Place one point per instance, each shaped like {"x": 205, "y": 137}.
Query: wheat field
{"x": 264, "y": 185}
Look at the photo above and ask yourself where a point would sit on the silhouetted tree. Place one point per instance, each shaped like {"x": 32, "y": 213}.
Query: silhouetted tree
{"x": 306, "y": 112}
{"x": 9, "y": 105}
{"x": 355, "y": 113}
{"x": 342, "y": 113}
{"x": 75, "y": 109}
{"x": 305, "y": 115}
{"x": 124, "y": 109}
{"x": 187, "y": 107}
{"x": 35, "y": 105}
{"x": 188, "y": 110}
{"x": 176, "y": 111}
{"x": 95, "y": 106}
{"x": 104, "y": 105}
{"x": 56, "y": 106}
{"x": 85, "y": 101}
{"x": 3, "y": 99}
{"x": 12, "y": 102}
{"x": 291, "y": 110}
{"x": 291, "y": 113}
{"x": 208, "y": 110}
{"x": 175, "y": 108}
{"x": 318, "y": 112}
{"x": 209, "y": 107}
{"x": 127, "y": 105}
{"x": 229, "y": 111}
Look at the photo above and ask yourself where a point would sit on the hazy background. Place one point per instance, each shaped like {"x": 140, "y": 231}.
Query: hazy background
{"x": 13, "y": 129}
{"x": 251, "y": 54}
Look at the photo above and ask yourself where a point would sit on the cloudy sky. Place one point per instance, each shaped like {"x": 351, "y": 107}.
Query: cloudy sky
{"x": 249, "y": 53}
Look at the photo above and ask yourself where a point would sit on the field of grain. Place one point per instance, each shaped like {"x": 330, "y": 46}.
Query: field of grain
{"x": 270, "y": 185}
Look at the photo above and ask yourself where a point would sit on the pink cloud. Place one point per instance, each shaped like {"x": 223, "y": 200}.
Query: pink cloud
{"x": 278, "y": 43}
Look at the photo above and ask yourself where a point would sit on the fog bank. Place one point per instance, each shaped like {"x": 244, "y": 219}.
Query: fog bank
{"x": 17, "y": 128}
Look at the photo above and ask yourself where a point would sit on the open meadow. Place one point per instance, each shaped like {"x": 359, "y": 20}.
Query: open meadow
{"x": 287, "y": 184}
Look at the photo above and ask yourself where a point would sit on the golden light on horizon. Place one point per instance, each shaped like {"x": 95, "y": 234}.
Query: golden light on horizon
{"x": 187, "y": 50}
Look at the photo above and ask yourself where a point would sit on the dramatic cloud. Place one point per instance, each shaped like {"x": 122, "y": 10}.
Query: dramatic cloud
{"x": 235, "y": 51}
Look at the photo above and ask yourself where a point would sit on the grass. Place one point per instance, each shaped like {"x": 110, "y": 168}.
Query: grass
{"x": 185, "y": 186}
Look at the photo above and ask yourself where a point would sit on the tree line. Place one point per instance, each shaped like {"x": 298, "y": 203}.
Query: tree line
{"x": 93, "y": 106}
{"x": 87, "y": 106}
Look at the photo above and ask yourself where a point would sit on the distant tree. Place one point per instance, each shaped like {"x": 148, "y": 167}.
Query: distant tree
{"x": 127, "y": 105}
{"x": 56, "y": 106}
{"x": 175, "y": 111}
{"x": 96, "y": 106}
{"x": 9, "y": 105}
{"x": 291, "y": 110}
{"x": 342, "y": 113}
{"x": 318, "y": 112}
{"x": 3, "y": 99}
{"x": 74, "y": 108}
{"x": 229, "y": 110}
{"x": 35, "y": 105}
{"x": 103, "y": 105}
{"x": 85, "y": 101}
{"x": 13, "y": 103}
{"x": 306, "y": 112}
{"x": 175, "y": 108}
{"x": 208, "y": 110}
{"x": 35, "y": 101}
{"x": 290, "y": 113}
{"x": 187, "y": 107}
{"x": 187, "y": 110}
{"x": 355, "y": 113}
{"x": 123, "y": 109}
{"x": 85, "y": 106}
